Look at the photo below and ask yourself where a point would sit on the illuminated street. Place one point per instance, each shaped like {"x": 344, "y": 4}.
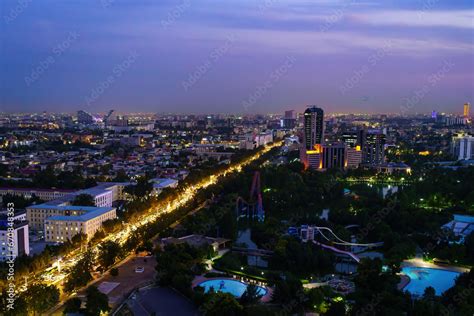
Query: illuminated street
{"x": 55, "y": 276}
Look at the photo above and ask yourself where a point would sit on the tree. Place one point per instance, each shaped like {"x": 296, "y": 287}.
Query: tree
{"x": 90, "y": 182}
{"x": 251, "y": 295}
{"x": 114, "y": 272}
{"x": 97, "y": 301}
{"x": 72, "y": 305}
{"x": 141, "y": 189}
{"x": 80, "y": 274}
{"x": 461, "y": 296}
{"x": 336, "y": 309}
{"x": 109, "y": 251}
{"x": 83, "y": 200}
{"x": 315, "y": 297}
{"x": 219, "y": 303}
{"x": 45, "y": 178}
{"x": 3, "y": 170}
{"x": 469, "y": 243}
{"x": 429, "y": 293}
{"x": 79, "y": 239}
{"x": 287, "y": 291}
{"x": 20, "y": 201}
{"x": 121, "y": 176}
{"x": 178, "y": 260}
{"x": 19, "y": 307}
{"x": 40, "y": 297}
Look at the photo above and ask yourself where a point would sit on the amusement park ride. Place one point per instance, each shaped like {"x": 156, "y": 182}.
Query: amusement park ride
{"x": 308, "y": 233}
{"x": 253, "y": 208}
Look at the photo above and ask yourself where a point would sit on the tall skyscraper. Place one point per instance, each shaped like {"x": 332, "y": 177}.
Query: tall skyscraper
{"x": 373, "y": 146}
{"x": 350, "y": 138}
{"x": 313, "y": 127}
{"x": 467, "y": 109}
{"x": 289, "y": 120}
{"x": 290, "y": 114}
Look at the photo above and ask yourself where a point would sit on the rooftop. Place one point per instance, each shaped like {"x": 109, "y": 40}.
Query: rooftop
{"x": 90, "y": 212}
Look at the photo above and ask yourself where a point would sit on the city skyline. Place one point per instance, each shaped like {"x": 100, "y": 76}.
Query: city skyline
{"x": 237, "y": 57}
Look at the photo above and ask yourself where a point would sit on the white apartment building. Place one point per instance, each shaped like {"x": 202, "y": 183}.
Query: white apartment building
{"x": 60, "y": 223}
{"x": 60, "y": 228}
{"x": 14, "y": 240}
{"x": 462, "y": 146}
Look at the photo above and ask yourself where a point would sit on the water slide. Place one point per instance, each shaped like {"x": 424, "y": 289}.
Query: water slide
{"x": 342, "y": 242}
{"x": 347, "y": 253}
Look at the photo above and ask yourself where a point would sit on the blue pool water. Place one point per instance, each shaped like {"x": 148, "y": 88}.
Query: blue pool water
{"x": 233, "y": 287}
{"x": 421, "y": 278}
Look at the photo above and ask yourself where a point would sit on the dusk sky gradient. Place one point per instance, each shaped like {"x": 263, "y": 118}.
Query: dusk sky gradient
{"x": 232, "y": 56}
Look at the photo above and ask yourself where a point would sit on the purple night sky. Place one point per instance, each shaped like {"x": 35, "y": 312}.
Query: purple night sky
{"x": 236, "y": 56}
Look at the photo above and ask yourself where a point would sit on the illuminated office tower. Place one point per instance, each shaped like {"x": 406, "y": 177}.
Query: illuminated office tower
{"x": 351, "y": 139}
{"x": 467, "y": 109}
{"x": 373, "y": 146}
{"x": 313, "y": 127}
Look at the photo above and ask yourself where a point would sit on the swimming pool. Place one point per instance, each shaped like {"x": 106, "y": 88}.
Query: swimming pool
{"x": 233, "y": 287}
{"x": 421, "y": 278}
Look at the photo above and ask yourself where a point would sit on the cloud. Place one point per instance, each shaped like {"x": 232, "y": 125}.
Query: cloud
{"x": 418, "y": 18}
{"x": 314, "y": 42}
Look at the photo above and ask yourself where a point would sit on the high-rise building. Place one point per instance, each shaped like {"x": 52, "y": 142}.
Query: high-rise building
{"x": 14, "y": 236}
{"x": 373, "y": 146}
{"x": 353, "y": 157}
{"x": 467, "y": 109}
{"x": 313, "y": 127}
{"x": 455, "y": 120}
{"x": 333, "y": 156}
{"x": 290, "y": 114}
{"x": 289, "y": 120}
{"x": 351, "y": 139}
{"x": 462, "y": 146}
{"x": 311, "y": 146}
{"x": 434, "y": 114}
